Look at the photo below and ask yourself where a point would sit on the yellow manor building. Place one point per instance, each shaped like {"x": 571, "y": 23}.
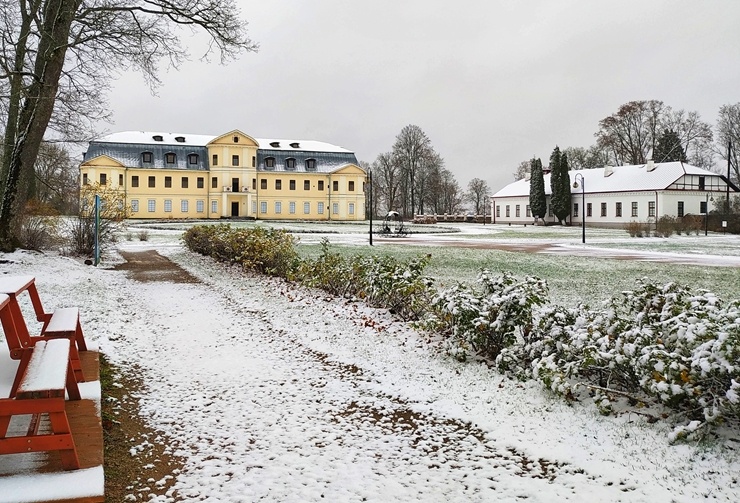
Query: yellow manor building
{"x": 169, "y": 175}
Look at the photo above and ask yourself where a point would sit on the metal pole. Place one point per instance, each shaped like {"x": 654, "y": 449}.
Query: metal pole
{"x": 583, "y": 202}
{"x": 96, "y": 250}
{"x": 370, "y": 184}
{"x": 706, "y": 213}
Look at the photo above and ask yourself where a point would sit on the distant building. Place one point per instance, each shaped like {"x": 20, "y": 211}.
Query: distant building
{"x": 169, "y": 175}
{"x": 617, "y": 195}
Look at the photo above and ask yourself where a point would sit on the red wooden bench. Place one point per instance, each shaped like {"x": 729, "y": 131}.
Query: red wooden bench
{"x": 63, "y": 322}
{"x": 45, "y": 371}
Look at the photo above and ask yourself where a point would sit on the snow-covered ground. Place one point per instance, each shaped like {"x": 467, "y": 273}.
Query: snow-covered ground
{"x": 276, "y": 393}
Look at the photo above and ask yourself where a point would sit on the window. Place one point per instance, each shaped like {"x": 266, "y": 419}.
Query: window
{"x": 351, "y": 208}
{"x": 549, "y": 210}
{"x": 214, "y": 182}
{"x": 651, "y": 209}
{"x": 103, "y": 178}
{"x": 290, "y": 164}
{"x": 703, "y": 207}
{"x": 254, "y": 161}
{"x": 575, "y": 210}
{"x": 135, "y": 181}
{"x": 151, "y": 204}
{"x": 263, "y": 184}
{"x": 321, "y": 184}
{"x": 168, "y": 182}
{"x": 335, "y": 208}
{"x": 214, "y": 160}
{"x": 320, "y": 207}
{"x": 634, "y": 209}
{"x": 351, "y": 186}
{"x": 263, "y": 207}
{"x": 589, "y": 209}
{"x": 498, "y": 211}
{"x": 168, "y": 205}
{"x": 528, "y": 211}
{"x": 184, "y": 182}
{"x": 278, "y": 207}
{"x": 335, "y": 186}
{"x": 134, "y": 205}
{"x": 306, "y": 208}
{"x": 269, "y": 162}
{"x": 618, "y": 210}
{"x": 193, "y": 159}
{"x": 603, "y": 209}
{"x": 680, "y": 209}
{"x": 146, "y": 157}
{"x": 702, "y": 182}
{"x": 291, "y": 184}
{"x": 214, "y": 206}
{"x": 508, "y": 210}
{"x": 517, "y": 210}
{"x": 235, "y": 160}
{"x": 306, "y": 184}
{"x": 151, "y": 182}
{"x": 170, "y": 158}
{"x": 291, "y": 207}
{"x": 184, "y": 206}
{"x": 310, "y": 164}
{"x": 254, "y": 206}
{"x": 120, "y": 180}
{"x": 236, "y": 139}
{"x": 278, "y": 184}
{"x": 200, "y": 182}
{"x": 200, "y": 206}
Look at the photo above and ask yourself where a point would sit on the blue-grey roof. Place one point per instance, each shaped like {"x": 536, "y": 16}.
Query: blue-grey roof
{"x": 131, "y": 155}
{"x": 326, "y": 162}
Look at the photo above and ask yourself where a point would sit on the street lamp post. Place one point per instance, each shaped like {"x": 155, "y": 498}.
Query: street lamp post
{"x": 583, "y": 203}
{"x": 370, "y": 194}
{"x": 706, "y": 212}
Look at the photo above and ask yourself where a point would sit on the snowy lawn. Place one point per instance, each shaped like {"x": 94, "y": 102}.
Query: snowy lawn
{"x": 276, "y": 393}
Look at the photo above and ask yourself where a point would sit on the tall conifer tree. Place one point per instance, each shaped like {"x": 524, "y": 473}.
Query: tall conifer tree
{"x": 560, "y": 185}
{"x": 537, "y": 198}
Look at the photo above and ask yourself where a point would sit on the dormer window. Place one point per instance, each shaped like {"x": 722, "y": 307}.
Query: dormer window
{"x": 290, "y": 164}
{"x": 310, "y": 164}
{"x": 192, "y": 158}
{"x": 146, "y": 157}
{"x": 275, "y": 144}
{"x": 295, "y": 145}
{"x": 236, "y": 139}
{"x": 180, "y": 139}
{"x": 269, "y": 163}
{"x": 157, "y": 137}
{"x": 170, "y": 158}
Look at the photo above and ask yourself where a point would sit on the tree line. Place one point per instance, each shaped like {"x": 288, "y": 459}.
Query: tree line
{"x": 412, "y": 179}
{"x": 643, "y": 130}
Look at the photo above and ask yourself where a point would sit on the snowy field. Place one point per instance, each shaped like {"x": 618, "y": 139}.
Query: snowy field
{"x": 276, "y": 393}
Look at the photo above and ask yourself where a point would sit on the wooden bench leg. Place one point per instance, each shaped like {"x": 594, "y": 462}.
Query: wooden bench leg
{"x": 81, "y": 344}
{"x": 63, "y": 438}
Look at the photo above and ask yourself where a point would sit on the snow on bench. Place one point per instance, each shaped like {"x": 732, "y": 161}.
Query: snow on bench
{"x": 46, "y": 374}
{"x": 63, "y": 320}
{"x": 15, "y": 283}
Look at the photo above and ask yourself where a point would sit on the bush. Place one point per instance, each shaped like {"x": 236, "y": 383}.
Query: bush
{"x": 143, "y": 235}
{"x": 265, "y": 250}
{"x": 634, "y": 228}
{"x": 112, "y": 212}
{"x": 665, "y": 226}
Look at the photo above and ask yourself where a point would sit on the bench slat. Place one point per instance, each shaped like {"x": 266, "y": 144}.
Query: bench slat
{"x": 46, "y": 374}
{"x": 63, "y": 320}
{"x": 14, "y": 284}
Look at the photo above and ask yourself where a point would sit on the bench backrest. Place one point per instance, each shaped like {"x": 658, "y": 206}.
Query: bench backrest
{"x": 46, "y": 374}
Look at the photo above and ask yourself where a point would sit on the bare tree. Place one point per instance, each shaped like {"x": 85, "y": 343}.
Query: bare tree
{"x": 410, "y": 152}
{"x": 630, "y": 133}
{"x": 57, "y": 179}
{"x": 694, "y": 135}
{"x": 57, "y": 58}
{"x": 728, "y": 138}
{"x": 387, "y": 178}
{"x": 478, "y": 192}
{"x": 450, "y": 197}
{"x": 521, "y": 171}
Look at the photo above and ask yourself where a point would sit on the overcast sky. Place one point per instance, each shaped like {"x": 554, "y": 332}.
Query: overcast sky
{"x": 492, "y": 83}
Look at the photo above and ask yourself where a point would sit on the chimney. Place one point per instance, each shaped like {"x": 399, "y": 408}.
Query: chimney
{"x": 650, "y": 166}
{"x": 608, "y": 171}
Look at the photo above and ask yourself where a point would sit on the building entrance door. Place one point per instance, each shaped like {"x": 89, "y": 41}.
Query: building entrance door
{"x": 234, "y": 209}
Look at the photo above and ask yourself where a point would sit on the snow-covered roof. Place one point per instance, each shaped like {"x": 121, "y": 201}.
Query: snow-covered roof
{"x": 307, "y": 145}
{"x": 159, "y": 138}
{"x": 148, "y": 138}
{"x": 622, "y": 179}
